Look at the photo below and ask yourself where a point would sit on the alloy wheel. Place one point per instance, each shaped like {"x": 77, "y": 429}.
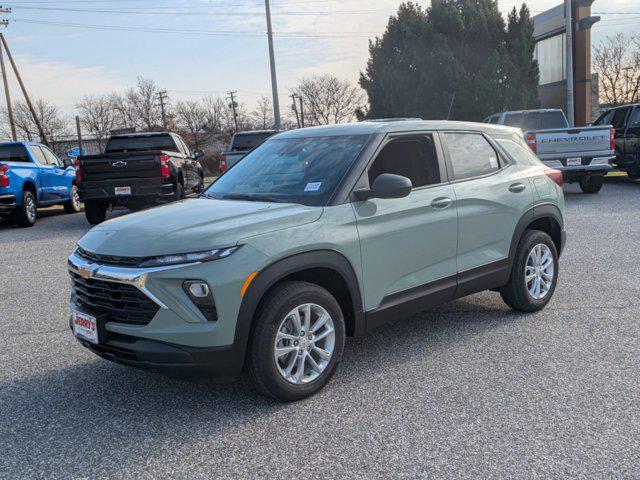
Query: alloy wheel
{"x": 539, "y": 271}
{"x": 30, "y": 209}
{"x": 304, "y": 343}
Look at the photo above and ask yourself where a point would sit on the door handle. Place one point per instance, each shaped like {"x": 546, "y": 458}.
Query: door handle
{"x": 517, "y": 187}
{"x": 441, "y": 202}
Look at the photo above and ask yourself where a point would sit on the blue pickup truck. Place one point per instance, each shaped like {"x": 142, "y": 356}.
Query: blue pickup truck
{"x": 32, "y": 176}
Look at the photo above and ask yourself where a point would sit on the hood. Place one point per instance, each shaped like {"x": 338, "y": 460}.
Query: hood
{"x": 193, "y": 225}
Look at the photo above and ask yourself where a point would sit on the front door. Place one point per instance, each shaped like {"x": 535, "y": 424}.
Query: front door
{"x": 57, "y": 180}
{"x": 409, "y": 243}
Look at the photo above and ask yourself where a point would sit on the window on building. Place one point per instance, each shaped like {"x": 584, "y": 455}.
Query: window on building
{"x": 550, "y": 54}
{"x": 412, "y": 157}
{"x": 471, "y": 155}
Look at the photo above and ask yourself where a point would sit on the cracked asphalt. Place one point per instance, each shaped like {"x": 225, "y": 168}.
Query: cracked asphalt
{"x": 467, "y": 390}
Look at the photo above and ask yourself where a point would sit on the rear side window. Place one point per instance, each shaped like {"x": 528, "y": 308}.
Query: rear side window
{"x": 519, "y": 151}
{"x": 536, "y": 120}
{"x": 412, "y": 157}
{"x": 13, "y": 153}
{"x": 471, "y": 155}
{"x": 38, "y": 154}
{"x": 248, "y": 141}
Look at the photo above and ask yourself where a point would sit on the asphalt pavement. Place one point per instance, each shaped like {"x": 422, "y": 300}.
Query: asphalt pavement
{"x": 467, "y": 390}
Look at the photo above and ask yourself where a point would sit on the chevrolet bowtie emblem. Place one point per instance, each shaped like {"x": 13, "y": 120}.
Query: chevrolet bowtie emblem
{"x": 86, "y": 272}
{"x": 119, "y": 163}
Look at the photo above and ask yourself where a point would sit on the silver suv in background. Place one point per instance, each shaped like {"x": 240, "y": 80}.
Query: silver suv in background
{"x": 582, "y": 154}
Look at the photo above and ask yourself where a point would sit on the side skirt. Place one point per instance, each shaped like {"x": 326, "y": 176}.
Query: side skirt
{"x": 423, "y": 297}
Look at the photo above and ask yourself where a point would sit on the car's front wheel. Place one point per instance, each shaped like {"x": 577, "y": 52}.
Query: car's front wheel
{"x": 534, "y": 273}
{"x": 297, "y": 341}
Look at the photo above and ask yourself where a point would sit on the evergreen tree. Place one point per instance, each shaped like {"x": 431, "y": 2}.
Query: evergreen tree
{"x": 458, "y": 54}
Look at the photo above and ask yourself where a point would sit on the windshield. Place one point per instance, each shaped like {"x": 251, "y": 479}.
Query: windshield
{"x": 134, "y": 144}
{"x": 290, "y": 170}
{"x": 536, "y": 121}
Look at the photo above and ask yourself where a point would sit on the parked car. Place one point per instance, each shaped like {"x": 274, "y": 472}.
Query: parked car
{"x": 318, "y": 234}
{"x": 241, "y": 144}
{"x": 137, "y": 170}
{"x": 31, "y": 177}
{"x": 582, "y": 154}
{"x": 626, "y": 124}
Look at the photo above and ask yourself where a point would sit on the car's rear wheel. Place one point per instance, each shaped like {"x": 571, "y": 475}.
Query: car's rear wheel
{"x": 297, "y": 341}
{"x": 591, "y": 184}
{"x": 27, "y": 213}
{"x": 73, "y": 205}
{"x": 534, "y": 273}
{"x": 96, "y": 212}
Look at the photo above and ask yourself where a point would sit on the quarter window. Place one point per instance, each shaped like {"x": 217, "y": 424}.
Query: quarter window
{"x": 471, "y": 155}
{"x": 413, "y": 157}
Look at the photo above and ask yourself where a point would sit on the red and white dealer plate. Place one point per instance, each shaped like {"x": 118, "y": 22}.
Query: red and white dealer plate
{"x": 85, "y": 326}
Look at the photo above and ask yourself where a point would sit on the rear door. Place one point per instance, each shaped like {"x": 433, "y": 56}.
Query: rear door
{"x": 47, "y": 180}
{"x": 408, "y": 244}
{"x": 632, "y": 134}
{"x": 492, "y": 194}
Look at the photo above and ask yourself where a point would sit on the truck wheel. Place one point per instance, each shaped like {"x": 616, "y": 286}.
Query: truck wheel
{"x": 591, "y": 184}
{"x": 179, "y": 192}
{"x": 633, "y": 171}
{"x": 27, "y": 213}
{"x": 297, "y": 341}
{"x": 534, "y": 273}
{"x": 96, "y": 212}
{"x": 73, "y": 205}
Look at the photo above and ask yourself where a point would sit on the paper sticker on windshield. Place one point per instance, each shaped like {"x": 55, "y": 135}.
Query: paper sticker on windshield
{"x": 494, "y": 162}
{"x": 312, "y": 187}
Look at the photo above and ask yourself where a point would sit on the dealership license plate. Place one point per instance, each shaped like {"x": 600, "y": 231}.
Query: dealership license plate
{"x": 574, "y": 162}
{"x": 123, "y": 190}
{"x": 85, "y": 326}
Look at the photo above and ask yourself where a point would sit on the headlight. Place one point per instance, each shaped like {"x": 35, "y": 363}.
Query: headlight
{"x": 206, "y": 256}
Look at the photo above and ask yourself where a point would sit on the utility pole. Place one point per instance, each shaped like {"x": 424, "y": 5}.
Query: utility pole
{"x": 295, "y": 108}
{"x": 569, "y": 57}
{"x": 301, "y": 111}
{"x": 162, "y": 95}
{"x": 233, "y": 105}
{"x": 14, "y": 135}
{"x": 79, "y": 130}
{"x": 272, "y": 63}
{"x": 43, "y": 137}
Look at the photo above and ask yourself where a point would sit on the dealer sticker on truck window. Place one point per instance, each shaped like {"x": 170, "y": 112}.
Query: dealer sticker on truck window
{"x": 85, "y": 326}
{"x": 574, "y": 162}
{"x": 123, "y": 190}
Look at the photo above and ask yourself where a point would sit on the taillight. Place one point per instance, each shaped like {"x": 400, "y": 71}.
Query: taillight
{"x": 612, "y": 139}
{"x": 78, "y": 165}
{"x": 4, "y": 179}
{"x": 556, "y": 176}
{"x": 223, "y": 164}
{"x": 165, "y": 171}
{"x": 531, "y": 141}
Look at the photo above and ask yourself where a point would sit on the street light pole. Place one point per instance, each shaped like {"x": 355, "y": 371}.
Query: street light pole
{"x": 569, "y": 64}
{"x": 272, "y": 63}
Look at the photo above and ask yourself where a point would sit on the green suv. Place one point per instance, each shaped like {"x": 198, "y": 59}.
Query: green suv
{"x": 319, "y": 234}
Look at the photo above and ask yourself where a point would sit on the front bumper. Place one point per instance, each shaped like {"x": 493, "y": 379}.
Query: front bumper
{"x": 7, "y": 203}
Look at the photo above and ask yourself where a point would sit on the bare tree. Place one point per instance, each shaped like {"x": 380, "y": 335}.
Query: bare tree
{"x": 144, "y": 100}
{"x": 191, "y": 120}
{"x": 53, "y": 123}
{"x": 329, "y": 99}
{"x": 262, "y": 116}
{"x": 616, "y": 60}
{"x": 97, "y": 116}
{"x": 124, "y": 109}
{"x": 215, "y": 109}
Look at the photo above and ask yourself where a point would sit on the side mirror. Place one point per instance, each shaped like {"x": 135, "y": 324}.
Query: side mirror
{"x": 67, "y": 162}
{"x": 386, "y": 185}
{"x": 198, "y": 154}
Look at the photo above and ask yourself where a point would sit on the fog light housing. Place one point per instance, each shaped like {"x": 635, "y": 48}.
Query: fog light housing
{"x": 199, "y": 293}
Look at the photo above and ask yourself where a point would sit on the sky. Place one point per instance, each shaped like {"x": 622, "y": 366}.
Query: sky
{"x": 66, "y": 49}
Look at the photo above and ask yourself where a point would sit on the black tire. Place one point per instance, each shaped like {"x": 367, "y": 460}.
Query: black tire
{"x": 274, "y": 308}
{"x": 591, "y": 184}
{"x": 27, "y": 213}
{"x": 633, "y": 170}
{"x": 515, "y": 293}
{"x": 96, "y": 212}
{"x": 73, "y": 205}
{"x": 179, "y": 194}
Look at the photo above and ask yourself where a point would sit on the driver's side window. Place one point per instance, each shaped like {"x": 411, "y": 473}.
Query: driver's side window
{"x": 51, "y": 157}
{"x": 414, "y": 157}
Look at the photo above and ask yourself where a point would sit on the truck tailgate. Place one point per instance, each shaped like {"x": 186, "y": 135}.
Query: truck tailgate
{"x": 116, "y": 166}
{"x": 573, "y": 142}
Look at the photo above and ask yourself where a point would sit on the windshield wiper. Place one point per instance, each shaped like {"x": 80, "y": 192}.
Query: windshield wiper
{"x": 252, "y": 197}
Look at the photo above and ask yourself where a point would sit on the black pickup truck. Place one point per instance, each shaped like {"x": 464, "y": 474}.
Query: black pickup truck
{"x": 626, "y": 123}
{"x": 137, "y": 170}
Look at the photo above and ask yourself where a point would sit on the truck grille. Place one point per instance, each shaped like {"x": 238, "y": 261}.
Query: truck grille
{"x": 122, "y": 303}
{"x": 111, "y": 260}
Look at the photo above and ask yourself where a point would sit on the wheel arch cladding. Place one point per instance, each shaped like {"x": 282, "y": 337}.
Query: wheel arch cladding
{"x": 546, "y": 218}
{"x": 326, "y": 268}
{"x": 29, "y": 186}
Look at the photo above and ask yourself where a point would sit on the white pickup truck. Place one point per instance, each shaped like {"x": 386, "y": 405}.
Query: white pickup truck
{"x": 582, "y": 154}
